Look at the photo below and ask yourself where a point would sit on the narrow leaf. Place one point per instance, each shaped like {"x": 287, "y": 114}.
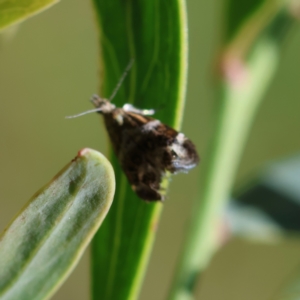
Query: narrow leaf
{"x": 153, "y": 33}
{"x": 46, "y": 239}
{"x": 13, "y": 11}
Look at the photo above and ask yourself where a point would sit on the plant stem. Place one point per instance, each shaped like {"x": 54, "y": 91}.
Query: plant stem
{"x": 239, "y": 101}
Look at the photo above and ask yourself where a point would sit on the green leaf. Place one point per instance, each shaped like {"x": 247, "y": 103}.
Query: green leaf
{"x": 46, "y": 239}
{"x": 249, "y": 64}
{"x": 14, "y": 11}
{"x": 153, "y": 33}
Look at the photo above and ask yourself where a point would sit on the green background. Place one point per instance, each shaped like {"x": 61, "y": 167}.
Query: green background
{"x": 49, "y": 69}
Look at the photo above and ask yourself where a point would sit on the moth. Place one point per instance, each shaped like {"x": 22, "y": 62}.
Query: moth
{"x": 146, "y": 148}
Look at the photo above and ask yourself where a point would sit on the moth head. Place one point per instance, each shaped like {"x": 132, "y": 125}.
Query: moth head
{"x": 102, "y": 105}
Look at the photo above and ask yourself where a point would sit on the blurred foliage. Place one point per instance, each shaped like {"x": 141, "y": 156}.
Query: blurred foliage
{"x": 248, "y": 64}
{"x": 237, "y": 12}
{"x": 290, "y": 289}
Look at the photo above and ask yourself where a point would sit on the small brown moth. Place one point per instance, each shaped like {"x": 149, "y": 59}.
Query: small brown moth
{"x": 145, "y": 147}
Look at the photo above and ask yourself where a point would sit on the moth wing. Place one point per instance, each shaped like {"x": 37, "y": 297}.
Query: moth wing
{"x": 151, "y": 149}
{"x": 177, "y": 152}
{"x": 140, "y": 164}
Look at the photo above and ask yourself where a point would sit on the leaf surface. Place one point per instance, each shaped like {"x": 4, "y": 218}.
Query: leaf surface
{"x": 153, "y": 33}
{"x": 48, "y": 236}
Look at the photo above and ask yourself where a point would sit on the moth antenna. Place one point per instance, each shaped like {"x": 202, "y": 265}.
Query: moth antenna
{"x": 84, "y": 113}
{"x": 121, "y": 79}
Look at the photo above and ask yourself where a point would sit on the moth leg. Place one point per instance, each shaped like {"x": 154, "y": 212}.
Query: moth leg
{"x": 144, "y": 112}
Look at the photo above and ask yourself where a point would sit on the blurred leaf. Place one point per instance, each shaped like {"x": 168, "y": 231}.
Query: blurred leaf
{"x": 240, "y": 10}
{"x": 270, "y": 203}
{"x": 270, "y": 21}
{"x": 46, "y": 239}
{"x": 13, "y": 11}
{"x": 153, "y": 33}
{"x": 248, "y": 63}
{"x": 290, "y": 290}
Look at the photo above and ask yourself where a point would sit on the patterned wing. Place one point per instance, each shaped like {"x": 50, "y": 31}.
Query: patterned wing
{"x": 148, "y": 151}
